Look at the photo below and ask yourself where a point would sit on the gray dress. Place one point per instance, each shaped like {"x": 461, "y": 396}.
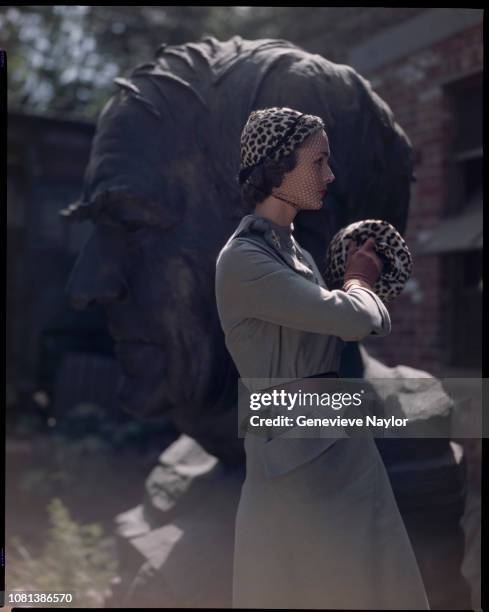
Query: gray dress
{"x": 317, "y": 524}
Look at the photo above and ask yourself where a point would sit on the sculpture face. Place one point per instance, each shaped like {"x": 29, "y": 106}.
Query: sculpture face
{"x": 157, "y": 286}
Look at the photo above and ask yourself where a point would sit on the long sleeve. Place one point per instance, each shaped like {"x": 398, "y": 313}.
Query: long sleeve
{"x": 252, "y": 283}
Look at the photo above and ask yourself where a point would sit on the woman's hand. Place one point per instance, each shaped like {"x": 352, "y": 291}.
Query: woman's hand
{"x": 363, "y": 265}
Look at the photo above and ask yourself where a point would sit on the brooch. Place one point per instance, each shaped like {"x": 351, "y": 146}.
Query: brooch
{"x": 276, "y": 239}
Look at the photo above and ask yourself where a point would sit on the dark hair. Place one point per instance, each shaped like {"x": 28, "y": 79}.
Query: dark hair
{"x": 264, "y": 178}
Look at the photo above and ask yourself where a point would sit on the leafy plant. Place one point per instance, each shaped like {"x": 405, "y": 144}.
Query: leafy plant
{"x": 76, "y": 559}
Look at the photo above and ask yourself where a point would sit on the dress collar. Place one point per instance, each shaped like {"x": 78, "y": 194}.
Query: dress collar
{"x": 257, "y": 223}
{"x": 280, "y": 238}
{"x": 282, "y": 229}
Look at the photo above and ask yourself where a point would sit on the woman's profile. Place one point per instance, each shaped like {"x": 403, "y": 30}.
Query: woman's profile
{"x": 317, "y": 524}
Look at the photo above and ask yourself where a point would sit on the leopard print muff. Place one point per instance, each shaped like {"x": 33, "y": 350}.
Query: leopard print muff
{"x": 389, "y": 245}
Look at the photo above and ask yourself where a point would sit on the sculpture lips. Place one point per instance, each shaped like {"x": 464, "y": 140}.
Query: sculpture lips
{"x": 140, "y": 359}
{"x": 141, "y": 397}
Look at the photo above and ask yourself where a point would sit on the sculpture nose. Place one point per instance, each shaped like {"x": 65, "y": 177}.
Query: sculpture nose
{"x": 96, "y": 278}
{"x": 82, "y": 297}
{"x": 85, "y": 289}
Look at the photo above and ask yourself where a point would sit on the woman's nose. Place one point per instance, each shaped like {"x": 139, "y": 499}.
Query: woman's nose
{"x": 329, "y": 176}
{"x": 96, "y": 277}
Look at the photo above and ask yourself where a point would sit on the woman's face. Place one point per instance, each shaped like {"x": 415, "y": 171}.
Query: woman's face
{"x": 306, "y": 184}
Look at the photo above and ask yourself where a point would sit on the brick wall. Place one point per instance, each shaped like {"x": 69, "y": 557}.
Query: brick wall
{"x": 412, "y": 88}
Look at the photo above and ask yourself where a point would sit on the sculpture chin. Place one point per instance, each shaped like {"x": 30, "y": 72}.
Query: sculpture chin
{"x": 143, "y": 398}
{"x": 144, "y": 389}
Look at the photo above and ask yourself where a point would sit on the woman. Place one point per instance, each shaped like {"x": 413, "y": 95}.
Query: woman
{"x": 317, "y": 524}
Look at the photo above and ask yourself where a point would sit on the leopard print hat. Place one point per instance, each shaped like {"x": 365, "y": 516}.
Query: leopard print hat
{"x": 273, "y": 133}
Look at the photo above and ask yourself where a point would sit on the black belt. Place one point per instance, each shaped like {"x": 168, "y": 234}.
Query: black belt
{"x": 296, "y": 381}
{"x": 324, "y": 375}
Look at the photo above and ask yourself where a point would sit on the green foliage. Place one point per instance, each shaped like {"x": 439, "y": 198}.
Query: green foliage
{"x": 76, "y": 559}
{"x": 62, "y": 59}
